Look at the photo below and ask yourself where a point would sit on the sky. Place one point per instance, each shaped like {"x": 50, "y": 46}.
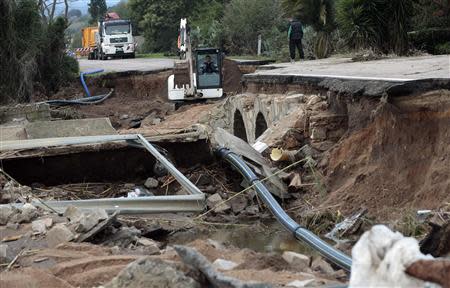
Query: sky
{"x": 82, "y": 5}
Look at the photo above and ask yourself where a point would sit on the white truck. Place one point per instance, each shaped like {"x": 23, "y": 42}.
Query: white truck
{"x": 113, "y": 39}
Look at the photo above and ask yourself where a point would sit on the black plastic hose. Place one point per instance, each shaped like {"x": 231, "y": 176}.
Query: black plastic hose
{"x": 299, "y": 232}
{"x": 82, "y": 101}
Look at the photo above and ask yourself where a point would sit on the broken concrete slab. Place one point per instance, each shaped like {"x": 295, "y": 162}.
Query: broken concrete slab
{"x": 214, "y": 202}
{"x": 69, "y": 128}
{"x": 12, "y": 133}
{"x": 60, "y": 233}
{"x": 30, "y": 112}
{"x": 297, "y": 260}
{"x": 40, "y": 226}
{"x": 5, "y": 213}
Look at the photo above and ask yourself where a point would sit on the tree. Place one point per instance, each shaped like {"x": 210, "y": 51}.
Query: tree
{"x": 97, "y": 9}
{"x": 122, "y": 9}
{"x": 244, "y": 20}
{"x": 159, "y": 20}
{"x": 74, "y": 13}
{"x": 378, "y": 24}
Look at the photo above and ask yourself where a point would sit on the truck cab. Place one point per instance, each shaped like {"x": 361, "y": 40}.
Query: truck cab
{"x": 115, "y": 39}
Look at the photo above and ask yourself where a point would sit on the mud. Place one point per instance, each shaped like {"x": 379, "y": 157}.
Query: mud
{"x": 400, "y": 159}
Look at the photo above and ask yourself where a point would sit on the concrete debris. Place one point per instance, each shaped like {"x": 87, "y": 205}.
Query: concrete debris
{"x": 319, "y": 264}
{"x": 25, "y": 214}
{"x": 5, "y": 214}
{"x": 224, "y": 265}
{"x": 151, "y": 183}
{"x": 196, "y": 260}
{"x": 73, "y": 213}
{"x": 90, "y": 219}
{"x": 124, "y": 237}
{"x": 60, "y": 233}
{"x": 297, "y": 260}
{"x": 304, "y": 283}
{"x": 313, "y": 99}
{"x": 151, "y": 247}
{"x": 380, "y": 259}
{"x": 97, "y": 229}
{"x": 238, "y": 204}
{"x": 213, "y": 202}
{"x": 40, "y": 226}
{"x": 151, "y": 273}
{"x": 13, "y": 192}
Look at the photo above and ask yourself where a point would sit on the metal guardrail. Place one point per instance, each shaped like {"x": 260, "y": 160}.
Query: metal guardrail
{"x": 195, "y": 202}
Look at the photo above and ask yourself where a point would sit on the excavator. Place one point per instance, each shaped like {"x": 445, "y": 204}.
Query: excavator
{"x": 198, "y": 74}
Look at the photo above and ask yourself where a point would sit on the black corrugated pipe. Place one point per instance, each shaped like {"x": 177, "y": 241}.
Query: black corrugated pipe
{"x": 300, "y": 233}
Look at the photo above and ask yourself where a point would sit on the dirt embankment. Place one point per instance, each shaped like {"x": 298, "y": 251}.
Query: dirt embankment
{"x": 399, "y": 161}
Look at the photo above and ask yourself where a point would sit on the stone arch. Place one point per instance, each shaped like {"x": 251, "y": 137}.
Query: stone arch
{"x": 239, "y": 126}
{"x": 260, "y": 125}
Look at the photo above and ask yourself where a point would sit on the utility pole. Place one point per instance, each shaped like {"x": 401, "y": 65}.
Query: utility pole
{"x": 259, "y": 45}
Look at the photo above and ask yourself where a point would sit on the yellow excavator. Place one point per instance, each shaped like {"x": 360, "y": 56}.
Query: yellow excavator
{"x": 198, "y": 74}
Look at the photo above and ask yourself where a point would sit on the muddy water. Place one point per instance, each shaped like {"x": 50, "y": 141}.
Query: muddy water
{"x": 267, "y": 237}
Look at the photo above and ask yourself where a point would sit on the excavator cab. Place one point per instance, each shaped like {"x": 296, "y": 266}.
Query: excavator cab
{"x": 199, "y": 74}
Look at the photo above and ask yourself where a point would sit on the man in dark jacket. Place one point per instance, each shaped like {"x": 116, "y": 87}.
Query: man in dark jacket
{"x": 295, "y": 35}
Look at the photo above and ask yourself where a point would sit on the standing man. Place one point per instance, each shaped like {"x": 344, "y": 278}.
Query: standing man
{"x": 295, "y": 34}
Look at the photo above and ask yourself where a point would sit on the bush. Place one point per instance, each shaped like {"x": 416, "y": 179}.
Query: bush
{"x": 375, "y": 24}
{"x": 429, "y": 39}
{"x": 442, "y": 49}
{"x": 244, "y": 20}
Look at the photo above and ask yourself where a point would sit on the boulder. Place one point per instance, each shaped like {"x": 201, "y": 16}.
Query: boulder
{"x": 5, "y": 214}
{"x": 224, "y": 265}
{"x": 297, "y": 260}
{"x": 59, "y": 234}
{"x": 213, "y": 202}
{"x": 151, "y": 273}
{"x": 151, "y": 183}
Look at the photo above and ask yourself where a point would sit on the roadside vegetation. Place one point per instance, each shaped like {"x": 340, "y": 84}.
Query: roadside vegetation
{"x": 35, "y": 36}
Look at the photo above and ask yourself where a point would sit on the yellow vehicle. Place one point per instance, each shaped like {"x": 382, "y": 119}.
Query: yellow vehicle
{"x": 88, "y": 41}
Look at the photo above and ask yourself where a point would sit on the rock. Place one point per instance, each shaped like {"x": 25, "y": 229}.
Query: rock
{"x": 297, "y": 260}
{"x": 151, "y": 183}
{"x": 89, "y": 219}
{"x": 5, "y": 214}
{"x": 59, "y": 234}
{"x": 318, "y": 264}
{"x": 27, "y": 213}
{"x": 73, "y": 213}
{"x": 224, "y": 265}
{"x": 13, "y": 226}
{"x": 156, "y": 121}
{"x": 238, "y": 204}
{"x": 151, "y": 273}
{"x": 124, "y": 237}
{"x": 303, "y": 283}
{"x": 314, "y": 99}
{"x": 213, "y": 202}
{"x": 319, "y": 134}
{"x": 151, "y": 247}
{"x": 124, "y": 116}
{"x": 41, "y": 226}
{"x": 196, "y": 260}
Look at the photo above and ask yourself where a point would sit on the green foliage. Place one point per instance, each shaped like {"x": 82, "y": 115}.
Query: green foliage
{"x": 122, "y": 9}
{"x": 97, "y": 9}
{"x": 159, "y": 21}
{"x": 205, "y": 24}
{"x": 443, "y": 48}
{"x": 31, "y": 53}
{"x": 430, "y": 14}
{"x": 244, "y": 20}
{"x": 376, "y": 24}
{"x": 430, "y": 39}
{"x": 361, "y": 22}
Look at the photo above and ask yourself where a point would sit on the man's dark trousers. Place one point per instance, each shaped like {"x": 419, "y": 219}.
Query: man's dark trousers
{"x": 296, "y": 43}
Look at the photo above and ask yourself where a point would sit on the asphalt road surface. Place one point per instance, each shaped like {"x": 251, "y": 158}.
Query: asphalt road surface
{"x": 123, "y": 65}
{"x": 401, "y": 68}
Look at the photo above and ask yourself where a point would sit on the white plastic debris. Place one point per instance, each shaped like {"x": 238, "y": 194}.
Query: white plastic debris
{"x": 380, "y": 258}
